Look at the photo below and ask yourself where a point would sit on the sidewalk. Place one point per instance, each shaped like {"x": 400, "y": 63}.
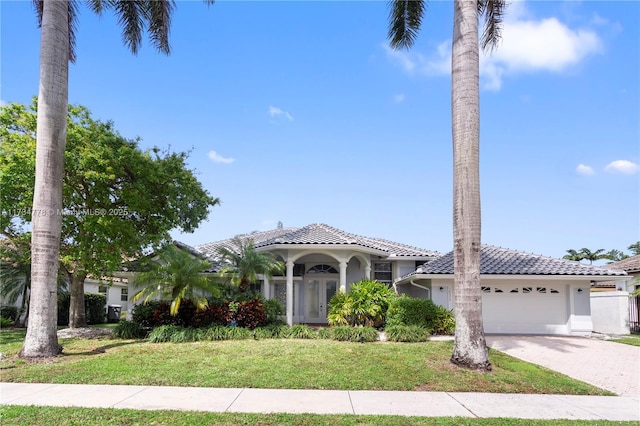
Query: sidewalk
{"x": 428, "y": 404}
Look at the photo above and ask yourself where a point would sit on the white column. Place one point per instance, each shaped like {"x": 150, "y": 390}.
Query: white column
{"x": 367, "y": 272}
{"x": 289, "y": 292}
{"x": 266, "y": 291}
{"x": 343, "y": 276}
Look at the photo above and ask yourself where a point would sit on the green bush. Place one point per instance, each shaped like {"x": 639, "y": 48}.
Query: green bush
{"x": 362, "y": 334}
{"x": 274, "y": 310}
{"x": 128, "y": 330}
{"x": 410, "y": 311}
{"x": 325, "y": 333}
{"x": 407, "y": 333}
{"x": 6, "y": 322}
{"x": 9, "y": 312}
{"x": 443, "y": 322}
{"x": 95, "y": 306}
{"x": 272, "y": 331}
{"x": 251, "y": 314}
{"x": 365, "y": 304}
{"x": 301, "y": 331}
{"x": 163, "y": 333}
{"x": 407, "y": 310}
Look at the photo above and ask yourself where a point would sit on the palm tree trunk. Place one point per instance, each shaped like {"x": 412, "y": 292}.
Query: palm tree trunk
{"x": 470, "y": 348}
{"x": 77, "y": 313}
{"x": 41, "y": 339}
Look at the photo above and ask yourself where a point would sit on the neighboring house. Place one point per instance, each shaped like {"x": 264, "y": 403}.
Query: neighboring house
{"x": 521, "y": 293}
{"x": 631, "y": 265}
{"x": 321, "y": 260}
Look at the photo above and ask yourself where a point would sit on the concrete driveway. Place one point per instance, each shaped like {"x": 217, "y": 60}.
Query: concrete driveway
{"x": 607, "y": 365}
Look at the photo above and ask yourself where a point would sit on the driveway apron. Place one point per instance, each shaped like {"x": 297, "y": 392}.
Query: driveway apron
{"x": 607, "y": 365}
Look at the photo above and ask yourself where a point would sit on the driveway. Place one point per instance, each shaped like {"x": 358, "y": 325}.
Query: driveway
{"x": 607, "y": 365}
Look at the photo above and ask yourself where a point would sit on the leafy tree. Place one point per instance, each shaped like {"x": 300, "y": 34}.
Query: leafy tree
{"x": 57, "y": 19}
{"x": 242, "y": 263}
{"x": 470, "y": 349}
{"x": 176, "y": 276}
{"x": 118, "y": 200}
{"x": 634, "y": 248}
{"x": 592, "y": 255}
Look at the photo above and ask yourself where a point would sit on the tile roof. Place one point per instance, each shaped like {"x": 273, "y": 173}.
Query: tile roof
{"x": 321, "y": 235}
{"x": 630, "y": 264}
{"x": 502, "y": 261}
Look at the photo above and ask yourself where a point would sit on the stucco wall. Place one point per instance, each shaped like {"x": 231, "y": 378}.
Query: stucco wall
{"x": 610, "y": 312}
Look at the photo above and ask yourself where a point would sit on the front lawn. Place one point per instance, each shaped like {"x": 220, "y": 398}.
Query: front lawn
{"x": 62, "y": 416}
{"x": 280, "y": 363}
{"x": 631, "y": 339}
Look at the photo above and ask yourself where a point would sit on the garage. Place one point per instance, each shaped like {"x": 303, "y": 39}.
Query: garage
{"x": 522, "y": 293}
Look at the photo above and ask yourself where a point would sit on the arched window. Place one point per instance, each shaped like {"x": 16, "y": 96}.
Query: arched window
{"x": 322, "y": 269}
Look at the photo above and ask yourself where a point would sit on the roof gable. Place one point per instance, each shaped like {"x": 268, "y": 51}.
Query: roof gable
{"x": 322, "y": 235}
{"x": 630, "y": 264}
{"x": 502, "y": 261}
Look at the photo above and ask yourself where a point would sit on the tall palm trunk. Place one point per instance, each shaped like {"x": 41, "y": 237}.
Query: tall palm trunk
{"x": 41, "y": 339}
{"x": 470, "y": 348}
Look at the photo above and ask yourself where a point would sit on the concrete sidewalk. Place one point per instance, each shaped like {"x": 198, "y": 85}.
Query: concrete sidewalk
{"x": 428, "y": 404}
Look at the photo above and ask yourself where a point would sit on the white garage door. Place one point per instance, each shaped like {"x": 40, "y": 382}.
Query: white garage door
{"x": 525, "y": 309}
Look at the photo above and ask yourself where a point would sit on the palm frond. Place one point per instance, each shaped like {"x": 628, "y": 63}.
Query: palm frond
{"x": 405, "y": 18}
{"x": 159, "y": 19}
{"x": 493, "y": 12}
{"x": 131, "y": 16}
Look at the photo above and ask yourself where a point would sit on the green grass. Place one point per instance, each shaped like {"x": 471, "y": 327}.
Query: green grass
{"x": 631, "y": 339}
{"x": 280, "y": 363}
{"x": 62, "y": 416}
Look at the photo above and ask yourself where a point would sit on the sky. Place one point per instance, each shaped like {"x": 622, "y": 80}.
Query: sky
{"x": 299, "y": 112}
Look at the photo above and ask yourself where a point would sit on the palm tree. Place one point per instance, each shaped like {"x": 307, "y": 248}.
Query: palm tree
{"x": 242, "y": 263}
{"x": 57, "y": 20}
{"x": 634, "y": 248}
{"x": 470, "y": 349}
{"x": 573, "y": 255}
{"x": 592, "y": 255}
{"x": 177, "y": 275}
{"x": 614, "y": 256}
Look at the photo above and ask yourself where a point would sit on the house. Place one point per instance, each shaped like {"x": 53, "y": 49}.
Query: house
{"x": 321, "y": 260}
{"x": 521, "y": 293}
{"x": 631, "y": 265}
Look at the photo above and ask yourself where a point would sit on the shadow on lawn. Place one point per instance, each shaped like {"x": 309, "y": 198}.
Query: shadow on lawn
{"x": 100, "y": 349}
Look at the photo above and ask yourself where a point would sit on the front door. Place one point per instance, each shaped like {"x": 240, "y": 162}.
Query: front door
{"x": 318, "y": 292}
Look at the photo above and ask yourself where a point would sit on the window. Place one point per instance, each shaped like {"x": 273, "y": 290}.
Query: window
{"x": 515, "y": 290}
{"x": 322, "y": 269}
{"x": 526, "y": 289}
{"x": 124, "y": 294}
{"x": 498, "y": 290}
{"x": 382, "y": 272}
{"x": 102, "y": 289}
{"x": 541, "y": 289}
{"x": 485, "y": 289}
{"x": 554, "y": 291}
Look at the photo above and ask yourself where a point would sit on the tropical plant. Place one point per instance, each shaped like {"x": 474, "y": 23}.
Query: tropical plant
{"x": 128, "y": 330}
{"x": 57, "y": 20}
{"x": 470, "y": 348}
{"x": 614, "y": 256}
{"x": 177, "y": 276}
{"x": 634, "y": 248}
{"x": 592, "y": 255}
{"x": 365, "y": 304}
{"x": 407, "y": 333}
{"x": 242, "y": 264}
{"x": 573, "y": 255}
{"x": 345, "y": 333}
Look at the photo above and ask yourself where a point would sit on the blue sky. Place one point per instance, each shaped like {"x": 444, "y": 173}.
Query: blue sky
{"x": 299, "y": 112}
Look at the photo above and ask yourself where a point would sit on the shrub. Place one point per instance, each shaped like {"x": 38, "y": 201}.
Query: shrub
{"x": 301, "y": 331}
{"x": 152, "y": 314}
{"x": 365, "y": 304}
{"x": 95, "y": 306}
{"x": 443, "y": 322}
{"x": 237, "y": 333}
{"x": 6, "y": 322}
{"x": 272, "y": 331}
{"x": 325, "y": 333}
{"x": 274, "y": 310}
{"x": 355, "y": 334}
{"x": 251, "y": 314}
{"x": 163, "y": 333}
{"x": 9, "y": 312}
{"x": 407, "y": 310}
{"x": 128, "y": 330}
{"x": 64, "y": 299}
{"x": 407, "y": 333}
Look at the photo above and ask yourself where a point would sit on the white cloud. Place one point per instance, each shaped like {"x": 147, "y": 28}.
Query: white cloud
{"x": 277, "y": 112}
{"x": 527, "y": 45}
{"x": 399, "y": 98}
{"x": 622, "y": 166}
{"x": 217, "y": 158}
{"x": 584, "y": 170}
